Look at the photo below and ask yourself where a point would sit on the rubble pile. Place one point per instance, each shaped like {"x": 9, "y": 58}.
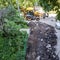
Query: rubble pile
{"x": 41, "y": 43}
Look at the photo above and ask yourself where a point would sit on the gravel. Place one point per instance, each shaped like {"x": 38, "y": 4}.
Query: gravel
{"x": 41, "y": 43}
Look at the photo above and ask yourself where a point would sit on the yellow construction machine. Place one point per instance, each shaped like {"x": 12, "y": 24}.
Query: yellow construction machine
{"x": 31, "y": 14}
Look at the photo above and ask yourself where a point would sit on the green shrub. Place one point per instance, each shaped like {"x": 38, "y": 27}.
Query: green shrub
{"x": 58, "y": 15}
{"x": 13, "y": 15}
{"x": 12, "y": 41}
{"x": 13, "y": 45}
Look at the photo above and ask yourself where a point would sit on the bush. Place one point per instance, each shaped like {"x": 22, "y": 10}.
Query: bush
{"x": 12, "y": 41}
{"x": 13, "y": 45}
{"x": 58, "y": 15}
{"x": 13, "y": 15}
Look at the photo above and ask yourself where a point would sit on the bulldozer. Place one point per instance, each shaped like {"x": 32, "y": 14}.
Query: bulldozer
{"x": 31, "y": 14}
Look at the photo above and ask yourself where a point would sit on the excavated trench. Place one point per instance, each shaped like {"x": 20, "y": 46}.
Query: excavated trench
{"x": 41, "y": 42}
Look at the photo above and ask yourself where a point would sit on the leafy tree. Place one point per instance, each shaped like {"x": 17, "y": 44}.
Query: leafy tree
{"x": 49, "y": 5}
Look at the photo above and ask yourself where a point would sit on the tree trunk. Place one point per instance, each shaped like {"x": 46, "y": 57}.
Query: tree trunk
{"x": 18, "y": 6}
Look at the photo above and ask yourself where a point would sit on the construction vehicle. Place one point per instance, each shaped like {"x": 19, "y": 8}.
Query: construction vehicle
{"x": 31, "y": 14}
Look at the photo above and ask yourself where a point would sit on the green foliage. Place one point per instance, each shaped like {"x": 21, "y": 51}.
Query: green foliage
{"x": 48, "y": 4}
{"x": 22, "y": 3}
{"x": 12, "y": 41}
{"x": 12, "y": 46}
{"x": 5, "y": 3}
{"x": 58, "y": 15}
{"x": 14, "y": 16}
